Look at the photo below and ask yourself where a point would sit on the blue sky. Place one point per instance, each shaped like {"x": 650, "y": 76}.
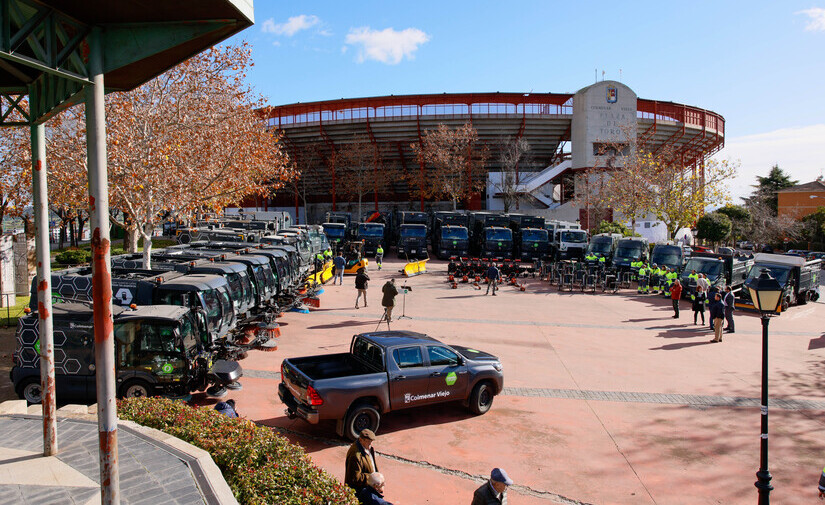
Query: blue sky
{"x": 761, "y": 64}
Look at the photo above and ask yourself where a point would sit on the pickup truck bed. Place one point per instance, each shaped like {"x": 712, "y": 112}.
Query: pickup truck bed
{"x": 329, "y": 366}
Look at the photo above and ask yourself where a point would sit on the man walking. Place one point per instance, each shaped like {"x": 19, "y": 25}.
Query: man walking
{"x": 361, "y": 279}
{"x": 675, "y": 296}
{"x": 730, "y": 306}
{"x": 379, "y": 256}
{"x": 340, "y": 265}
{"x": 717, "y": 314}
{"x": 492, "y": 275}
{"x": 388, "y": 300}
{"x": 360, "y": 461}
{"x": 494, "y": 491}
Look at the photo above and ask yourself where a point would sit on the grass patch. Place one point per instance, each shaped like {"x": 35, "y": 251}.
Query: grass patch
{"x": 10, "y": 315}
{"x": 259, "y": 465}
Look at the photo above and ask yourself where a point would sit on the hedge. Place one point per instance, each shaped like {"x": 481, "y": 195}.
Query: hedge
{"x": 73, "y": 257}
{"x": 259, "y": 465}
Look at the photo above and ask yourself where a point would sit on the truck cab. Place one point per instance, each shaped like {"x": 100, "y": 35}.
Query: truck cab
{"x": 158, "y": 351}
{"x": 496, "y": 242}
{"x": 569, "y": 243}
{"x": 669, "y": 255}
{"x": 412, "y": 241}
{"x": 533, "y": 243}
{"x": 604, "y": 245}
{"x": 372, "y": 235}
{"x": 452, "y": 240}
{"x": 336, "y": 234}
{"x": 629, "y": 250}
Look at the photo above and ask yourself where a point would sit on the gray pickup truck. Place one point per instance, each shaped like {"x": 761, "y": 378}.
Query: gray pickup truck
{"x": 386, "y": 371}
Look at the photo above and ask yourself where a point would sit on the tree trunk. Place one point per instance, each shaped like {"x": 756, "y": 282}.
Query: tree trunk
{"x": 131, "y": 240}
{"x": 454, "y": 204}
{"x": 80, "y": 225}
{"x": 72, "y": 236}
{"x": 358, "y": 217}
{"x": 147, "y": 245}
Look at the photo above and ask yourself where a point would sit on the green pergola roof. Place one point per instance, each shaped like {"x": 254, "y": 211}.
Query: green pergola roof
{"x": 43, "y": 45}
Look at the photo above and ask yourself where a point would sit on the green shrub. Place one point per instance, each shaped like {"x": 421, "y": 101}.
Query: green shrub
{"x": 259, "y": 465}
{"x": 73, "y": 257}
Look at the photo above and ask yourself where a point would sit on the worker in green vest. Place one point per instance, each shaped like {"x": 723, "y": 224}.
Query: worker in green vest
{"x": 642, "y": 287}
{"x": 671, "y": 278}
{"x": 591, "y": 258}
{"x": 379, "y": 256}
{"x": 654, "y": 279}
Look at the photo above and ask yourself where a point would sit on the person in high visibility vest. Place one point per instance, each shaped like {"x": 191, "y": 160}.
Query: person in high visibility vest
{"x": 379, "y": 256}
{"x": 822, "y": 485}
{"x": 591, "y": 258}
{"x": 328, "y": 254}
{"x": 642, "y": 287}
{"x": 654, "y": 279}
{"x": 672, "y": 276}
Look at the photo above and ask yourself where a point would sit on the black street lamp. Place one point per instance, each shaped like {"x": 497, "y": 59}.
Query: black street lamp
{"x": 766, "y": 294}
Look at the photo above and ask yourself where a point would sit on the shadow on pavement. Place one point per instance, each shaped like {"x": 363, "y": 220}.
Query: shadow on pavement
{"x": 817, "y": 343}
{"x": 343, "y": 324}
{"x": 320, "y": 436}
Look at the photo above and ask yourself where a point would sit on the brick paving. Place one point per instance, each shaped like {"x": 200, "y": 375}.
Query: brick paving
{"x": 149, "y": 474}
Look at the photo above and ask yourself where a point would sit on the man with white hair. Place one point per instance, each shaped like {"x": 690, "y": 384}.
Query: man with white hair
{"x": 373, "y": 492}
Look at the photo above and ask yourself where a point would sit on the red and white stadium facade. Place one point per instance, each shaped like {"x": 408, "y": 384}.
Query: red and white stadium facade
{"x": 562, "y": 130}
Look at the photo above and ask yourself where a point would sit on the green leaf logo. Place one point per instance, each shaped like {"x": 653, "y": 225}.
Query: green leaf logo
{"x": 37, "y": 346}
{"x": 167, "y": 368}
{"x": 451, "y": 378}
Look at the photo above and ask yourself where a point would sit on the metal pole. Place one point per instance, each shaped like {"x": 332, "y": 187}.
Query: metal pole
{"x": 44, "y": 287}
{"x": 101, "y": 276}
{"x": 764, "y": 476}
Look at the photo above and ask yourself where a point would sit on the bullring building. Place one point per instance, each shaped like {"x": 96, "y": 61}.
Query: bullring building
{"x": 566, "y": 134}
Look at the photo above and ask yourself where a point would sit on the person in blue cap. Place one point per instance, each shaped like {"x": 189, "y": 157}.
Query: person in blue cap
{"x": 494, "y": 491}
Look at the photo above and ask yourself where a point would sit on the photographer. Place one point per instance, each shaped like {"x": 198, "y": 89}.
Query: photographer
{"x": 388, "y": 301}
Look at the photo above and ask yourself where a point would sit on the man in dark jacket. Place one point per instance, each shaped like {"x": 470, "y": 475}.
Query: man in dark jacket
{"x": 360, "y": 462}
{"x": 492, "y": 275}
{"x": 388, "y": 301}
{"x": 730, "y": 305}
{"x": 227, "y": 408}
{"x": 340, "y": 265}
{"x": 494, "y": 491}
{"x": 717, "y": 315}
{"x": 361, "y": 279}
{"x": 373, "y": 492}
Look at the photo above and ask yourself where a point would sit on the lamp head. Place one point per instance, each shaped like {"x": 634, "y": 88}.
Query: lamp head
{"x": 766, "y": 293}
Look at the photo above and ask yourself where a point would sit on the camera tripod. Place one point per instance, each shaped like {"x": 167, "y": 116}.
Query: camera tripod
{"x": 404, "y": 303}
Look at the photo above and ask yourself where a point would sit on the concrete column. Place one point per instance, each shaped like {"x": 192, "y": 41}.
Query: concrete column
{"x": 40, "y": 196}
{"x": 101, "y": 275}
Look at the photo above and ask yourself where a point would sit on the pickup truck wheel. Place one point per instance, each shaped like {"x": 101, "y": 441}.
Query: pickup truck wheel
{"x": 136, "y": 389}
{"x": 29, "y": 390}
{"x": 481, "y": 399}
{"x": 359, "y": 418}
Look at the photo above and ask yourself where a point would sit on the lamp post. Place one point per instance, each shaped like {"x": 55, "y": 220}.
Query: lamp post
{"x": 766, "y": 294}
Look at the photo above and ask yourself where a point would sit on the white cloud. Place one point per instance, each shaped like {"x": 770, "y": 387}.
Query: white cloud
{"x": 292, "y": 26}
{"x": 387, "y": 46}
{"x": 798, "y": 151}
{"x": 816, "y": 19}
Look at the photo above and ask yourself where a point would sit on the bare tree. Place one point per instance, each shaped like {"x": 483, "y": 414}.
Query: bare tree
{"x": 453, "y": 155}
{"x": 514, "y": 156}
{"x": 360, "y": 170}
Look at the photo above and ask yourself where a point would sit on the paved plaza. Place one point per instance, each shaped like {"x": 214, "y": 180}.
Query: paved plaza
{"x": 607, "y": 399}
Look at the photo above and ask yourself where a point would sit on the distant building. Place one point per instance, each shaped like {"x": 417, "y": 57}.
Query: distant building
{"x": 801, "y": 200}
